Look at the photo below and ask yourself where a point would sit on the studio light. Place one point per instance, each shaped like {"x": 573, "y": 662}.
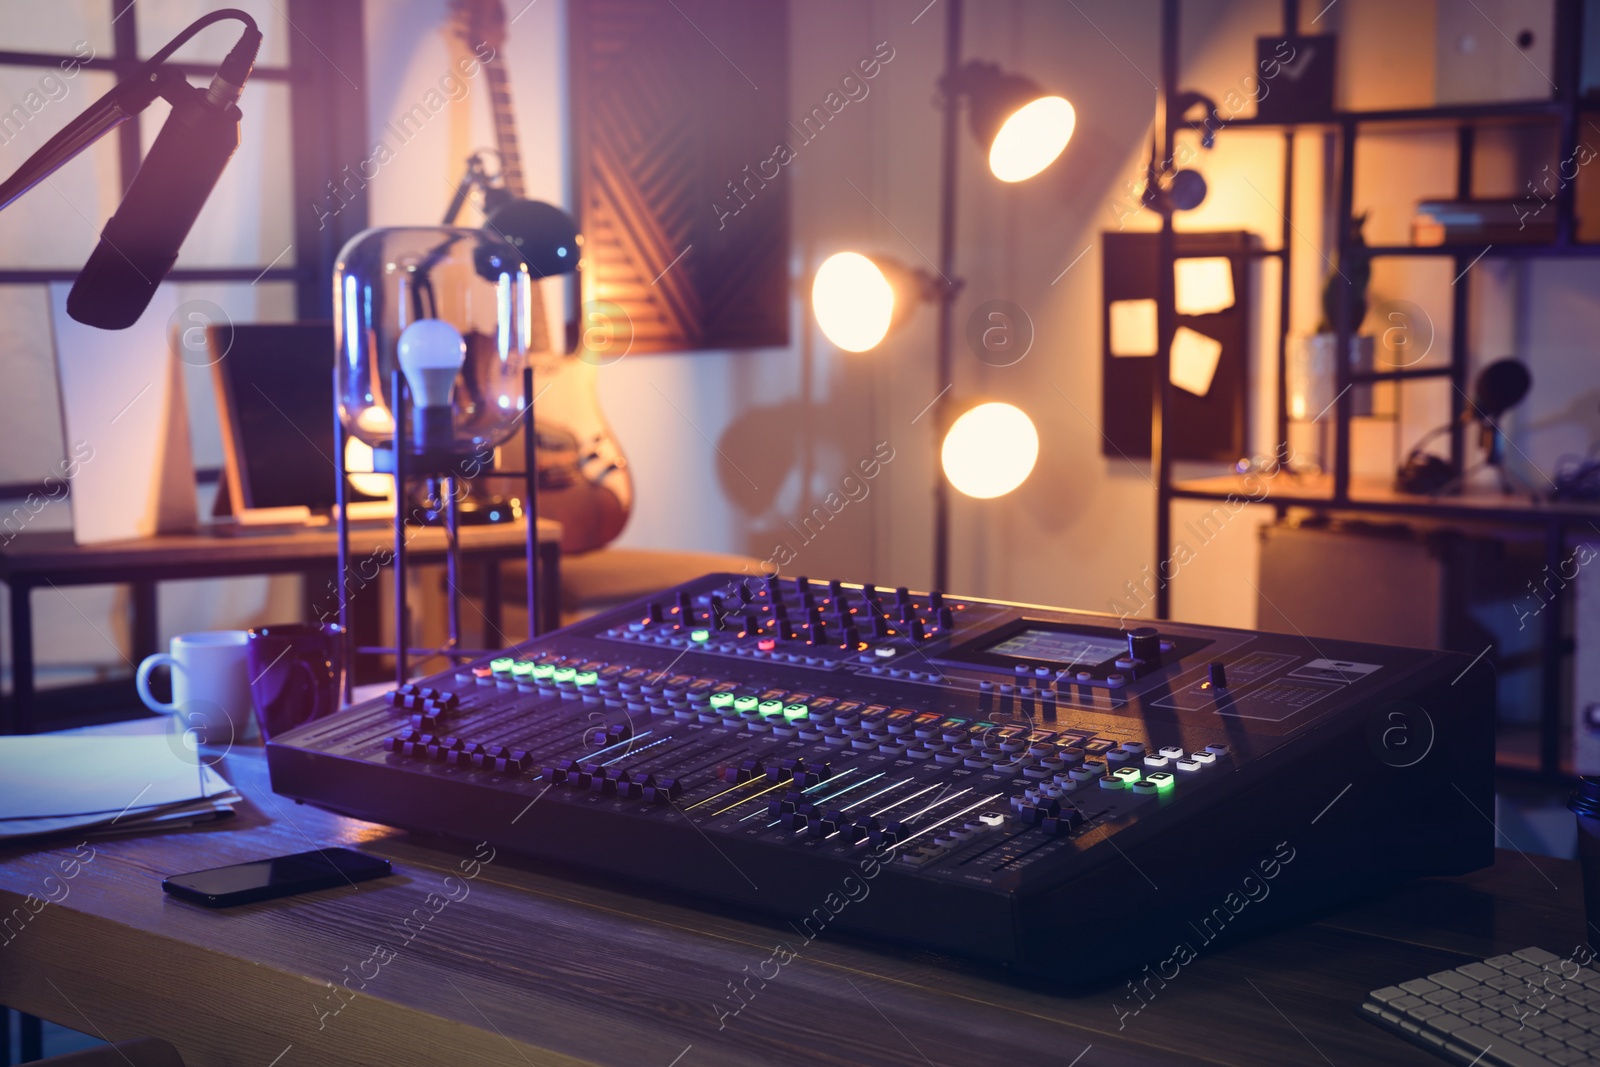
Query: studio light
{"x": 857, "y": 301}
{"x": 990, "y": 450}
{"x": 1023, "y": 127}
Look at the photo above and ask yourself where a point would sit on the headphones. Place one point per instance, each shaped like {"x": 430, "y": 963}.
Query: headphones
{"x": 1185, "y": 189}
{"x": 1423, "y": 473}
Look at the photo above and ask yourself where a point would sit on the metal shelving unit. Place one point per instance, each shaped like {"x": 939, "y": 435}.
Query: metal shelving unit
{"x": 1338, "y": 492}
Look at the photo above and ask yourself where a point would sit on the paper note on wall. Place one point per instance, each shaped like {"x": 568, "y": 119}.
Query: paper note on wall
{"x": 1133, "y": 328}
{"x": 1194, "y": 360}
{"x": 126, "y": 424}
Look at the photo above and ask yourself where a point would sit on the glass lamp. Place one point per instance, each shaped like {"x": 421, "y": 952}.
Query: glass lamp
{"x": 451, "y": 310}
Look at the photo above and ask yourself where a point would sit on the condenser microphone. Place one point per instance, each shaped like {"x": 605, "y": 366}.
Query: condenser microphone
{"x": 140, "y": 242}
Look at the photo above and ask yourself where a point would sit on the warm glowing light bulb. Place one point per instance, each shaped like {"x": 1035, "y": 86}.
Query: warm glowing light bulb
{"x": 1031, "y": 138}
{"x": 990, "y": 450}
{"x": 853, "y": 301}
{"x": 431, "y": 355}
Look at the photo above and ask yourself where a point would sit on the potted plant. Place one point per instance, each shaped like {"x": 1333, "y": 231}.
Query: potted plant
{"x": 1311, "y": 380}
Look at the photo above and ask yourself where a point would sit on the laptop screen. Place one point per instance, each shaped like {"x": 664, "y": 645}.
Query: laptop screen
{"x": 275, "y": 398}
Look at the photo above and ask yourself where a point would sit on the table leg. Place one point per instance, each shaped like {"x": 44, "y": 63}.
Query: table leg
{"x": 32, "y": 1042}
{"x": 550, "y": 585}
{"x": 146, "y": 628}
{"x": 19, "y": 720}
{"x": 489, "y": 575}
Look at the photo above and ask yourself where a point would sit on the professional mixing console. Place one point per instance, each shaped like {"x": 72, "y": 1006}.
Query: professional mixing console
{"x": 1035, "y": 787}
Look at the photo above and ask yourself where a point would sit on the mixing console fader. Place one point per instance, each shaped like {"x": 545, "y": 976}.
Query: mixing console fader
{"x": 1036, "y": 787}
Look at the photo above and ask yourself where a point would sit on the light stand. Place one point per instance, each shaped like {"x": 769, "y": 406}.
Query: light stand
{"x": 406, "y": 464}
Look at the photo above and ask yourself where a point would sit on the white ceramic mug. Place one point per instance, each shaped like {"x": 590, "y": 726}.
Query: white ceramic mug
{"x": 210, "y": 685}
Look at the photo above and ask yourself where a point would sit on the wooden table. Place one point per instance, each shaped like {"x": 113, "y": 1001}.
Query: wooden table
{"x": 32, "y": 560}
{"x": 517, "y": 966}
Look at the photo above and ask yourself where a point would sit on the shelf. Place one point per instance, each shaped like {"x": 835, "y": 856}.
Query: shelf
{"x": 1378, "y": 495}
{"x": 1487, "y": 249}
{"x": 1448, "y": 114}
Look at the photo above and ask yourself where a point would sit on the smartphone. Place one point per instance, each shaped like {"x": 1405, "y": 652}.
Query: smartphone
{"x": 281, "y": 876}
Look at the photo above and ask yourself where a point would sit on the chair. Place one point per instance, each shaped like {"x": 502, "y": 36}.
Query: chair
{"x": 595, "y": 581}
{"x": 591, "y": 582}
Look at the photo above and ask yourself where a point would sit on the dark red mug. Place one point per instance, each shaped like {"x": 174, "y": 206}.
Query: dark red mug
{"x": 296, "y": 674}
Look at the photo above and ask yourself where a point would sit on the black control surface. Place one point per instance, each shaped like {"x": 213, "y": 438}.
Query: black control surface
{"x": 995, "y": 769}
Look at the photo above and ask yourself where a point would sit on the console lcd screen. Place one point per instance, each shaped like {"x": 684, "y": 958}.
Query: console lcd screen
{"x": 1063, "y": 647}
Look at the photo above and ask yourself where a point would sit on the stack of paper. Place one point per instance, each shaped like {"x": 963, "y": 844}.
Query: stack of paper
{"x": 105, "y": 784}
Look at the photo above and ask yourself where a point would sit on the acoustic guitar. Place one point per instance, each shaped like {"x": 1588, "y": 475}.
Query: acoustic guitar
{"x": 583, "y": 478}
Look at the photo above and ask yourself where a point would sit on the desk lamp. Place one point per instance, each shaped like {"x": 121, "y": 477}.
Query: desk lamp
{"x": 432, "y": 328}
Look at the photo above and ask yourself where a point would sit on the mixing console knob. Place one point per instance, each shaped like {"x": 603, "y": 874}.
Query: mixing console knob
{"x": 841, "y": 603}
{"x": 819, "y": 631}
{"x": 802, "y": 585}
{"x": 936, "y": 600}
{"x": 880, "y": 625}
{"x": 835, "y": 588}
{"x": 1217, "y": 674}
{"x": 902, "y": 595}
{"x": 745, "y": 595}
{"x": 814, "y": 616}
{"x": 774, "y": 586}
{"x": 869, "y": 591}
{"x": 852, "y": 636}
{"x": 655, "y": 612}
{"x": 917, "y": 632}
{"x": 780, "y": 610}
{"x": 1047, "y": 702}
{"x": 718, "y": 616}
{"x": 908, "y": 611}
{"x": 750, "y": 622}
{"x": 1144, "y": 643}
{"x": 947, "y": 619}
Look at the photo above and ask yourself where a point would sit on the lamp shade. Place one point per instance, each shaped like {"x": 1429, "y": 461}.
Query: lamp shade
{"x": 859, "y": 300}
{"x": 547, "y": 237}
{"x": 451, "y": 309}
{"x": 1023, "y": 127}
{"x": 990, "y": 450}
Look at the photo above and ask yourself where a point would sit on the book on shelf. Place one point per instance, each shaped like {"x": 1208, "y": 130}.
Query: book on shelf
{"x": 1524, "y": 220}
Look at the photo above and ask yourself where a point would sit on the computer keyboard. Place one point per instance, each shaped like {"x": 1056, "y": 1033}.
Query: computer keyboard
{"x": 1528, "y": 1009}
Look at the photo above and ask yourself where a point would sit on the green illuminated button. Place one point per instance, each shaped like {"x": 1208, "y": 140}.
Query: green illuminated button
{"x": 1127, "y": 774}
{"x": 770, "y": 707}
{"x": 700, "y": 635}
{"x": 1163, "y": 780}
{"x": 721, "y": 700}
{"x": 744, "y": 703}
{"x": 565, "y": 674}
{"x": 522, "y": 669}
{"x": 542, "y": 672}
{"x": 587, "y": 677}
{"x": 796, "y": 711}
{"x": 502, "y": 664}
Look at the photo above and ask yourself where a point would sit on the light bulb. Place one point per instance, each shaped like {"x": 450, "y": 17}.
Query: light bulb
{"x": 990, "y": 450}
{"x": 853, "y": 301}
{"x": 431, "y": 355}
{"x": 1031, "y": 138}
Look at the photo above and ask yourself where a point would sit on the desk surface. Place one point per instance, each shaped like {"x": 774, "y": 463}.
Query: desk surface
{"x": 56, "y": 554}
{"x": 518, "y": 967}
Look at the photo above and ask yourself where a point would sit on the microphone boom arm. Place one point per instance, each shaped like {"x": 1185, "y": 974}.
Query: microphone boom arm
{"x": 117, "y": 106}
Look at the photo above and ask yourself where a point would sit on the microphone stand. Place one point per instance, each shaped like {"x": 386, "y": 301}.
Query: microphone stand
{"x": 117, "y": 106}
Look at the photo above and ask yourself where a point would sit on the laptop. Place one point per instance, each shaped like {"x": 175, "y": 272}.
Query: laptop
{"x": 274, "y": 385}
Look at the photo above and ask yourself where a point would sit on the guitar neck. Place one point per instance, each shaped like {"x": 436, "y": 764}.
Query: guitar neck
{"x": 505, "y": 129}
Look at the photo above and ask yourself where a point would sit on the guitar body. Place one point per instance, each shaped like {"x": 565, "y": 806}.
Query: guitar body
{"x": 583, "y": 479}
